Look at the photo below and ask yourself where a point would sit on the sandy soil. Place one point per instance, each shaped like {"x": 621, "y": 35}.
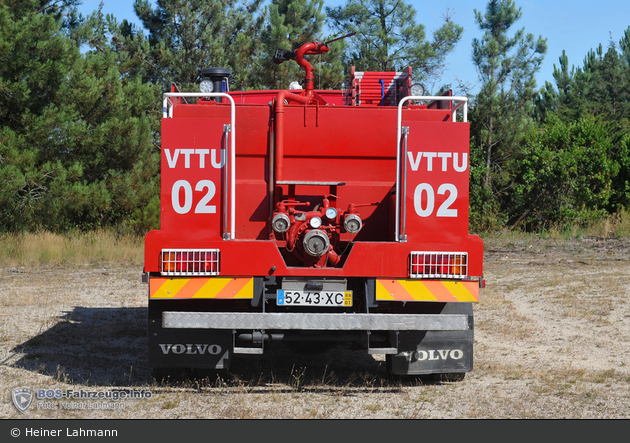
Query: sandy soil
{"x": 552, "y": 340}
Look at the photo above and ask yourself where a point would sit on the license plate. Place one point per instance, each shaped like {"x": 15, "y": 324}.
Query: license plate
{"x": 309, "y": 298}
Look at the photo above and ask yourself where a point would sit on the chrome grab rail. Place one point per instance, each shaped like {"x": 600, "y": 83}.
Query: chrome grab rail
{"x": 463, "y": 101}
{"x": 167, "y": 112}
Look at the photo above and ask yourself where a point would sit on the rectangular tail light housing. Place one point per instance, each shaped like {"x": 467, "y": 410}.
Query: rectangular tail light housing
{"x": 176, "y": 262}
{"x": 438, "y": 264}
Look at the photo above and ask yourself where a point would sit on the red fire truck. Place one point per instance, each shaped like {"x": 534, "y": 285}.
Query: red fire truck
{"x": 314, "y": 217}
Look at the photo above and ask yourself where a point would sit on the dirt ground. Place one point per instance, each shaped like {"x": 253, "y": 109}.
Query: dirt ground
{"x": 552, "y": 340}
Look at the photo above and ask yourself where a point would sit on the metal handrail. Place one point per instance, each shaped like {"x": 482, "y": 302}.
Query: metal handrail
{"x": 168, "y": 113}
{"x": 463, "y": 101}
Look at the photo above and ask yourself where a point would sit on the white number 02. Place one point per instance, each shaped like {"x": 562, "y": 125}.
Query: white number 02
{"x": 202, "y": 207}
{"x": 444, "y": 210}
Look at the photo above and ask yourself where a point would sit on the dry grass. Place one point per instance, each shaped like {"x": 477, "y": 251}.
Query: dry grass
{"x": 32, "y": 250}
{"x": 551, "y": 339}
{"x": 88, "y": 248}
{"x": 617, "y": 225}
{"x": 614, "y": 226}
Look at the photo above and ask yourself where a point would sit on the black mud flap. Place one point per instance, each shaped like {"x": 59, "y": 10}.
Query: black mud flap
{"x": 433, "y": 352}
{"x": 189, "y": 348}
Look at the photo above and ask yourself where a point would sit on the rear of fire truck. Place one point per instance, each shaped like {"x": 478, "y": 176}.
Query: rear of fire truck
{"x": 314, "y": 217}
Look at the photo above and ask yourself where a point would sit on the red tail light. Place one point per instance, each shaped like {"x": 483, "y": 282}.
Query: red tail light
{"x": 438, "y": 265}
{"x": 190, "y": 262}
{"x": 168, "y": 261}
{"x": 211, "y": 262}
{"x": 178, "y": 262}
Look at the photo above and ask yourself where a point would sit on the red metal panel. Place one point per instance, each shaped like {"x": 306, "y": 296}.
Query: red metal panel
{"x": 349, "y": 145}
{"x": 366, "y": 259}
{"x": 341, "y": 144}
{"x": 437, "y": 182}
{"x": 199, "y": 128}
{"x": 343, "y": 132}
{"x": 191, "y": 177}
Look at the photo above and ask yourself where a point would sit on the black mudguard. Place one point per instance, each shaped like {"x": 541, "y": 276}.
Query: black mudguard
{"x": 189, "y": 348}
{"x": 435, "y": 352}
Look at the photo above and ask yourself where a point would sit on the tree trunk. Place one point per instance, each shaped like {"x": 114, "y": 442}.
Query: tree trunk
{"x": 489, "y": 151}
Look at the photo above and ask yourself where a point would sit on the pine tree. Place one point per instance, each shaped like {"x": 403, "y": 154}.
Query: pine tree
{"x": 506, "y": 66}
{"x": 603, "y": 83}
{"x": 564, "y": 79}
{"x": 121, "y": 114}
{"x": 598, "y": 90}
{"x": 35, "y": 62}
{"x": 75, "y": 138}
{"x": 389, "y": 39}
{"x": 187, "y": 36}
{"x": 559, "y": 97}
{"x": 288, "y": 25}
{"x": 600, "y": 87}
{"x": 624, "y": 44}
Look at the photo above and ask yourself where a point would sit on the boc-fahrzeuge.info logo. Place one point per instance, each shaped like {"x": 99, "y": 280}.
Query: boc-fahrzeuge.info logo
{"x": 22, "y": 398}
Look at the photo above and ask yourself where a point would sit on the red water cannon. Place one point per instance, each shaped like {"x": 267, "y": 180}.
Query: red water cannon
{"x": 312, "y": 235}
{"x": 312, "y": 48}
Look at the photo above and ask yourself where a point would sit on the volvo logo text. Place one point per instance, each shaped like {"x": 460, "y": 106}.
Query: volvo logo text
{"x": 439, "y": 354}
{"x": 189, "y": 348}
